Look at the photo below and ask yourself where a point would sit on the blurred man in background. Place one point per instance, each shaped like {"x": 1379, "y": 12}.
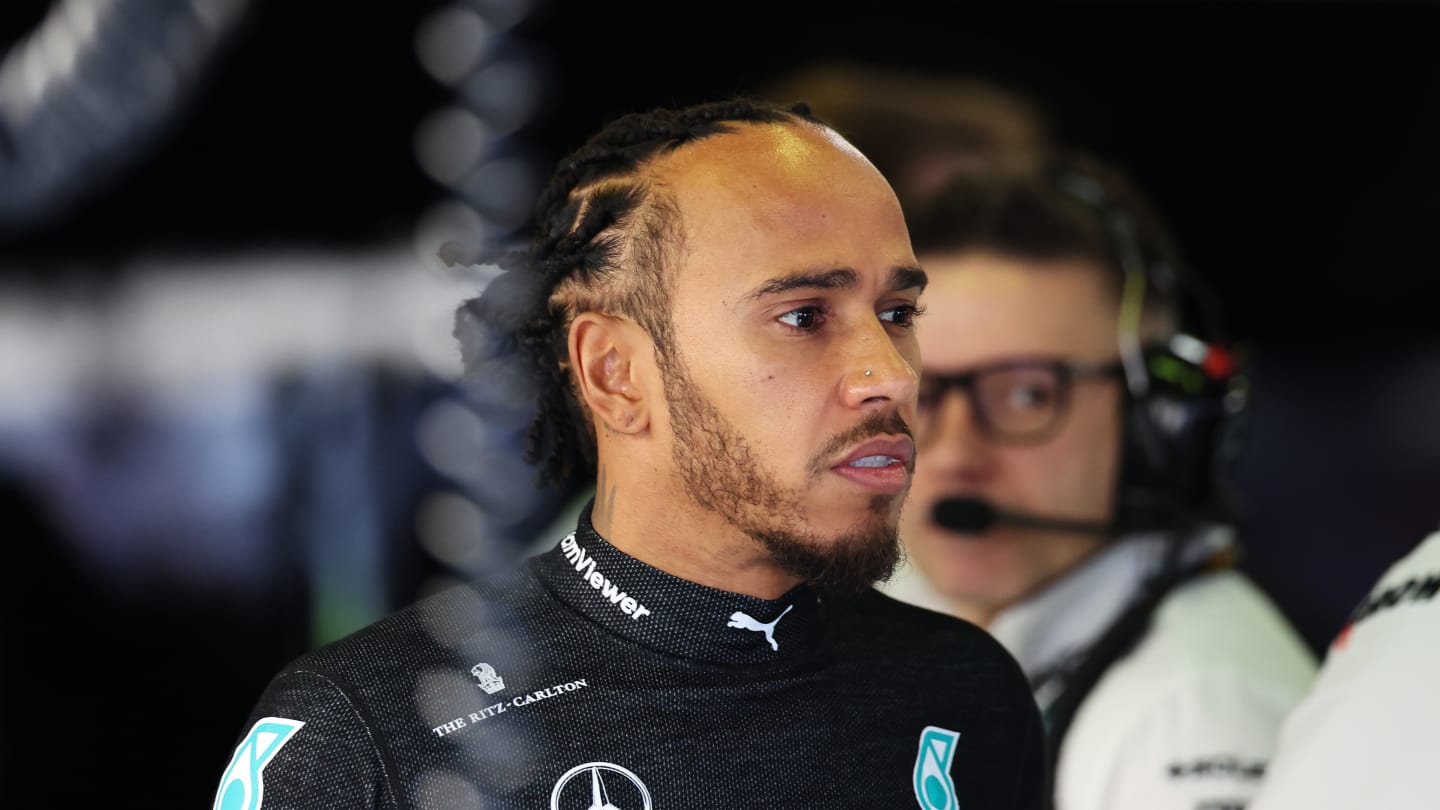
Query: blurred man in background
{"x": 1073, "y": 410}
{"x": 718, "y": 317}
{"x": 922, "y": 130}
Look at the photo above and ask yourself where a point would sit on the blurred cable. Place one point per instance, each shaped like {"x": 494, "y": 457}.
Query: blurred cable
{"x": 474, "y": 148}
{"x": 89, "y": 89}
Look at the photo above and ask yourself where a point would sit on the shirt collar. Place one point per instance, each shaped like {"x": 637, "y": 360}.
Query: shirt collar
{"x": 1053, "y": 628}
{"x": 1048, "y": 632}
{"x": 639, "y": 602}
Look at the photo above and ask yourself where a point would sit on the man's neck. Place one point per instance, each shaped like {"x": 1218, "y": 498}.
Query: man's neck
{"x": 668, "y": 530}
{"x": 911, "y": 584}
{"x": 977, "y": 614}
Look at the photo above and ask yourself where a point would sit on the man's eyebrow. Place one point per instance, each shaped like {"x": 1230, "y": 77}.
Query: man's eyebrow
{"x": 906, "y": 277}
{"x": 836, "y": 279}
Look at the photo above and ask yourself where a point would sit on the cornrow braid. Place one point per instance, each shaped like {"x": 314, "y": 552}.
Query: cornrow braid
{"x": 603, "y": 235}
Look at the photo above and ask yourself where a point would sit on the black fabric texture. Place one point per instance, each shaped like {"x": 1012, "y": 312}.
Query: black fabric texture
{"x": 683, "y": 704}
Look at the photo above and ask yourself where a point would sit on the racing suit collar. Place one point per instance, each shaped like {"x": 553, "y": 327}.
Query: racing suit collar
{"x": 674, "y": 616}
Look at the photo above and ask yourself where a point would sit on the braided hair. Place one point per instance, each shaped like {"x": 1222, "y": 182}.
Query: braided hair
{"x": 603, "y": 235}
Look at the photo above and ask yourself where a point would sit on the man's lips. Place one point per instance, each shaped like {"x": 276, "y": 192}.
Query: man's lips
{"x": 881, "y": 452}
{"x": 882, "y": 466}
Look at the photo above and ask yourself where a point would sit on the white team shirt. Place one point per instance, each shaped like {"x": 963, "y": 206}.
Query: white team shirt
{"x": 1368, "y": 734}
{"x": 1189, "y": 718}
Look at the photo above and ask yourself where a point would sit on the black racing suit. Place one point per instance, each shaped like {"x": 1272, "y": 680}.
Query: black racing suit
{"x": 588, "y": 679}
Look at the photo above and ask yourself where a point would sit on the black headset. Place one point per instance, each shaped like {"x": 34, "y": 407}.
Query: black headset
{"x": 1187, "y": 397}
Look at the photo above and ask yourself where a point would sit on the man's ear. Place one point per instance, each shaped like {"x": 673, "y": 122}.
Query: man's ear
{"x": 604, "y": 355}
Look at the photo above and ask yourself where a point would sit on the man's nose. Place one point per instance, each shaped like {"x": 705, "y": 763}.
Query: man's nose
{"x": 877, "y": 374}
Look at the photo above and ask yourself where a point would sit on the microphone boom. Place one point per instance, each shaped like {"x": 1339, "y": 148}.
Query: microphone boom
{"x": 974, "y": 516}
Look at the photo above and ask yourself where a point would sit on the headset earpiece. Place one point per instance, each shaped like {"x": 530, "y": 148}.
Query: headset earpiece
{"x": 1180, "y": 442}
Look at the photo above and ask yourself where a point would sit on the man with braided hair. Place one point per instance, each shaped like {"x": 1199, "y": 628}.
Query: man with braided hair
{"x": 718, "y": 313}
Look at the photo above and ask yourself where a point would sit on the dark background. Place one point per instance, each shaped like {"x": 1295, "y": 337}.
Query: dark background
{"x": 1291, "y": 147}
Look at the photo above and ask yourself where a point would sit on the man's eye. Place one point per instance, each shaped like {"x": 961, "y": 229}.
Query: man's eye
{"x": 903, "y": 315}
{"x": 806, "y": 319}
{"x": 1030, "y": 397}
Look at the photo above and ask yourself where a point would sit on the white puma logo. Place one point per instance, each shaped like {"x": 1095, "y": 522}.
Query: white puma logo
{"x": 746, "y": 622}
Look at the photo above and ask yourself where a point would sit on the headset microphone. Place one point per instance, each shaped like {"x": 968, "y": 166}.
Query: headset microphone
{"x": 972, "y": 516}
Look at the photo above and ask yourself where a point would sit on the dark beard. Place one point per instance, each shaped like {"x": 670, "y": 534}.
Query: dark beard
{"x": 850, "y": 562}
{"x": 721, "y": 474}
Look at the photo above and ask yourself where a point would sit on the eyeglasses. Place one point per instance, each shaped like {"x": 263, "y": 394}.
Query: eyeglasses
{"x": 1014, "y": 401}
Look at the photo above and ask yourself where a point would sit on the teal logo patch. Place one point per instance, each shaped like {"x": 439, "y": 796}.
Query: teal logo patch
{"x": 934, "y": 788}
{"x": 242, "y": 788}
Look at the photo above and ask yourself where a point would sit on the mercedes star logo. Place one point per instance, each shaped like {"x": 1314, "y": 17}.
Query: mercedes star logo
{"x": 611, "y": 788}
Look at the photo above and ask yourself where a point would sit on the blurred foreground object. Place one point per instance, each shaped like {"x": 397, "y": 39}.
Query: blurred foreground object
{"x": 88, "y": 90}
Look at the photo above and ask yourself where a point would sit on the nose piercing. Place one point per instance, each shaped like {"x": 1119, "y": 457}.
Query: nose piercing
{"x": 867, "y": 372}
